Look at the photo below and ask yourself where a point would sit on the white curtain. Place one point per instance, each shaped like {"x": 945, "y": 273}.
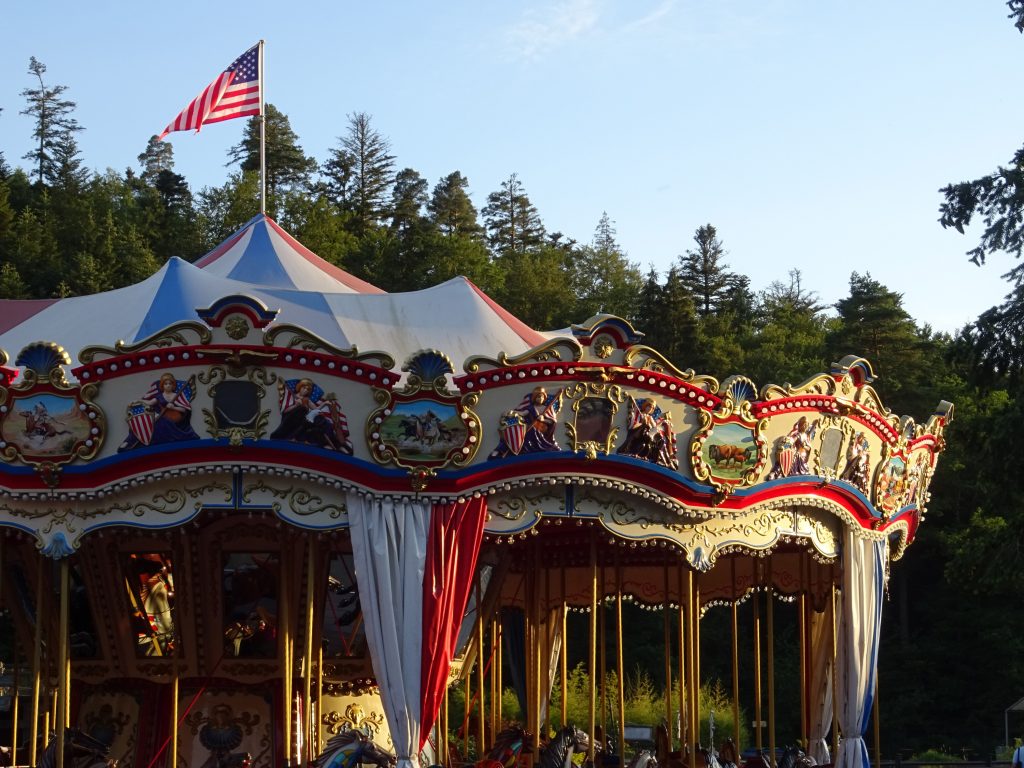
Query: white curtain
{"x": 857, "y": 652}
{"x": 389, "y": 547}
{"x": 821, "y": 685}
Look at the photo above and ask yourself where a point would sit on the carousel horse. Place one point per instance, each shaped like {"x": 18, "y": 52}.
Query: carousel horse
{"x": 351, "y": 748}
{"x": 706, "y": 758}
{"x": 758, "y": 759}
{"x": 562, "y": 746}
{"x": 508, "y": 745}
{"x": 80, "y": 751}
{"x": 795, "y": 757}
{"x": 727, "y": 756}
{"x": 644, "y": 759}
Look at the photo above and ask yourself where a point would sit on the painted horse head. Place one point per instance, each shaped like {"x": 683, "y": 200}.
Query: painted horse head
{"x": 349, "y": 749}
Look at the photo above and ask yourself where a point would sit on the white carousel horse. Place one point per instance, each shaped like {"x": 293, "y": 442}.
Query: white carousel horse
{"x": 644, "y": 759}
{"x": 350, "y": 749}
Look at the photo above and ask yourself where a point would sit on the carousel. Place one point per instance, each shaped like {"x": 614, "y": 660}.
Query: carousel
{"x": 258, "y": 512}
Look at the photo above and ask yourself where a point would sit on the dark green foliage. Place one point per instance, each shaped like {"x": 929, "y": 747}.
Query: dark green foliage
{"x": 873, "y": 324}
{"x": 288, "y": 168}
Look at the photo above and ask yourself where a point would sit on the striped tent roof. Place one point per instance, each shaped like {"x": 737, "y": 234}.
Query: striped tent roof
{"x": 262, "y": 253}
{"x": 455, "y": 317}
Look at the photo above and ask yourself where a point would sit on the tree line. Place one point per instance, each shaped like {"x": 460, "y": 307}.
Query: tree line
{"x": 954, "y": 603}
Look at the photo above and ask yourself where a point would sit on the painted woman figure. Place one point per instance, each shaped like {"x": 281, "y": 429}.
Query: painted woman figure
{"x": 795, "y": 452}
{"x": 530, "y": 428}
{"x": 162, "y": 415}
{"x": 649, "y": 435}
{"x": 308, "y": 416}
{"x": 858, "y": 463}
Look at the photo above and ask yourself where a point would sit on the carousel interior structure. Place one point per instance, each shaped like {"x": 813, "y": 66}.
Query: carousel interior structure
{"x": 255, "y": 509}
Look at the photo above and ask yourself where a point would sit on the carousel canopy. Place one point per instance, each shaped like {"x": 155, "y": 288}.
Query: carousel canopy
{"x": 264, "y": 262}
{"x": 262, "y": 253}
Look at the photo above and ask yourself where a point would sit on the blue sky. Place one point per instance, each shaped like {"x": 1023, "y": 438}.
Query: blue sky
{"x": 814, "y": 135}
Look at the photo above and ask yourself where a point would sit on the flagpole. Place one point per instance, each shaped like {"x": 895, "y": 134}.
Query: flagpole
{"x": 263, "y": 142}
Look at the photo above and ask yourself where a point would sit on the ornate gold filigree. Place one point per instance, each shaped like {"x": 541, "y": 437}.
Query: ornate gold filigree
{"x": 302, "y": 339}
{"x": 171, "y": 336}
{"x": 304, "y": 503}
{"x": 237, "y": 327}
{"x": 355, "y": 718}
{"x": 594, "y": 406}
{"x": 562, "y": 349}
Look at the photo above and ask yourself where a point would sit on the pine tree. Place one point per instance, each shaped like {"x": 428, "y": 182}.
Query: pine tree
{"x": 286, "y": 164}
{"x": 513, "y": 224}
{"x": 53, "y": 123}
{"x": 360, "y": 172}
{"x": 408, "y": 200}
{"x": 451, "y": 210}
{"x": 604, "y": 279}
{"x": 703, "y": 271}
{"x": 157, "y": 157}
{"x": 873, "y": 324}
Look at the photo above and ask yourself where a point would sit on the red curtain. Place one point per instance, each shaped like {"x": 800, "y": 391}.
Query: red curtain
{"x": 453, "y": 545}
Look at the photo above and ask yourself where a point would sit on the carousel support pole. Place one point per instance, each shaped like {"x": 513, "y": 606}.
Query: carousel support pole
{"x": 668, "y": 658}
{"x": 691, "y": 669}
{"x": 172, "y": 752}
{"x": 60, "y": 723}
{"x": 539, "y": 641}
{"x": 480, "y": 656}
{"x": 37, "y": 665}
{"x": 755, "y": 604}
{"x": 603, "y": 633}
{"x": 735, "y": 664}
{"x": 564, "y": 672}
{"x": 307, "y": 680}
{"x": 319, "y": 700}
{"x": 498, "y": 664}
{"x": 770, "y": 641}
{"x": 835, "y": 686}
{"x": 805, "y": 650}
{"x": 495, "y": 697}
{"x": 619, "y": 662}
{"x": 284, "y": 624}
{"x": 529, "y": 610}
{"x": 592, "y": 651}
{"x": 467, "y": 674}
{"x": 14, "y": 701}
{"x": 684, "y": 712}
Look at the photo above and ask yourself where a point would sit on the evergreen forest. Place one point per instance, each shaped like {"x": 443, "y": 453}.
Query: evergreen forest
{"x": 952, "y": 656}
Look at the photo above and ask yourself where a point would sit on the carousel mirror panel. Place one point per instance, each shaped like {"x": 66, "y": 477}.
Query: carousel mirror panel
{"x": 344, "y": 635}
{"x": 250, "y": 582}
{"x": 149, "y": 582}
{"x": 83, "y": 643}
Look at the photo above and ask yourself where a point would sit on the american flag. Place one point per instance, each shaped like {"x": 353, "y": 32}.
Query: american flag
{"x": 235, "y": 92}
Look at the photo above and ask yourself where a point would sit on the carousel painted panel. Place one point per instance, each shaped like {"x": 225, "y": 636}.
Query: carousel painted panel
{"x": 112, "y": 718}
{"x": 225, "y": 724}
{"x": 45, "y": 421}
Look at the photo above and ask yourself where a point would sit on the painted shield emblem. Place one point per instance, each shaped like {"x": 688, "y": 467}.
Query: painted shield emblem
{"x": 786, "y": 455}
{"x": 514, "y": 434}
{"x": 140, "y": 423}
